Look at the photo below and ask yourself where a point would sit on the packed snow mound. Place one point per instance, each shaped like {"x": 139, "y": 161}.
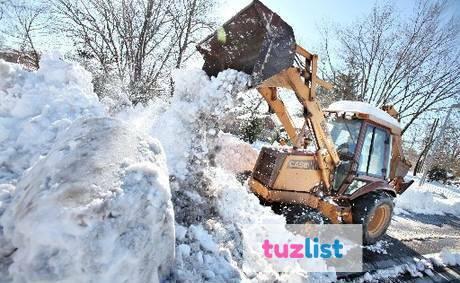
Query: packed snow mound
{"x": 97, "y": 208}
{"x": 450, "y": 257}
{"x": 236, "y": 155}
{"x": 215, "y": 213}
{"x": 6, "y": 248}
{"x": 36, "y": 106}
{"x": 362, "y": 107}
{"x": 431, "y": 198}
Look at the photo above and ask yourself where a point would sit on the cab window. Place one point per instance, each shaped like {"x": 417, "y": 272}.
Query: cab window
{"x": 373, "y": 159}
{"x": 344, "y": 134}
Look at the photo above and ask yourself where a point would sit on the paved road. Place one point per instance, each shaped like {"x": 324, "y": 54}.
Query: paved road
{"x": 410, "y": 236}
{"x": 426, "y": 234}
{"x": 417, "y": 234}
{"x": 413, "y": 236}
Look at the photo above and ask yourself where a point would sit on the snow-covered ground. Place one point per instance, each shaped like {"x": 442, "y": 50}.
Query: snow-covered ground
{"x": 431, "y": 198}
{"x": 85, "y": 196}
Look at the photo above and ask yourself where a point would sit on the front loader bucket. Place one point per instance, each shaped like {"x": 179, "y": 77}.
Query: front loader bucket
{"x": 255, "y": 41}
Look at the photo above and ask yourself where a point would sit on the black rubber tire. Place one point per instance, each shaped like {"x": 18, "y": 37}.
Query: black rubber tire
{"x": 364, "y": 208}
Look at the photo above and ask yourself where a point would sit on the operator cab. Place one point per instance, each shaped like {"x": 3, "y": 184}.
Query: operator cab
{"x": 362, "y": 135}
{"x": 345, "y": 134}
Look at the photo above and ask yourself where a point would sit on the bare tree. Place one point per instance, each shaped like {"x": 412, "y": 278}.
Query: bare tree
{"x": 447, "y": 155}
{"x": 138, "y": 40}
{"x": 24, "y": 23}
{"x": 127, "y": 37}
{"x": 412, "y": 64}
{"x": 191, "y": 21}
{"x": 427, "y": 144}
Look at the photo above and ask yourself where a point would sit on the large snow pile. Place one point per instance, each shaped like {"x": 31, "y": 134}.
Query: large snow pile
{"x": 36, "y": 106}
{"x": 81, "y": 198}
{"x": 431, "y": 198}
{"x": 96, "y": 209}
{"x": 91, "y": 202}
{"x": 189, "y": 127}
{"x": 215, "y": 213}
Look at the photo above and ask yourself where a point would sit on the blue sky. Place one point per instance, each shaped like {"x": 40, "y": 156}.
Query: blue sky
{"x": 305, "y": 15}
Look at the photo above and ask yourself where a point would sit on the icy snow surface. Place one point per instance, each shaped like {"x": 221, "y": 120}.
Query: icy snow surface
{"x": 450, "y": 257}
{"x": 417, "y": 268}
{"x": 96, "y": 208}
{"x": 36, "y": 106}
{"x": 81, "y": 199}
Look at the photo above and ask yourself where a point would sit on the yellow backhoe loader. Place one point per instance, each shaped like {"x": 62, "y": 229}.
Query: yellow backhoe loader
{"x": 345, "y": 161}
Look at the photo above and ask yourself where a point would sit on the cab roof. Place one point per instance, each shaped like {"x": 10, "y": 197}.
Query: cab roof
{"x": 366, "y": 111}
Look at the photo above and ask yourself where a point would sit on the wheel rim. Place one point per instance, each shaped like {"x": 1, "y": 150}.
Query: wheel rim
{"x": 378, "y": 220}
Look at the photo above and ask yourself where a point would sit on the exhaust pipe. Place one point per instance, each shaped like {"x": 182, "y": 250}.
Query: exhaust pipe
{"x": 255, "y": 41}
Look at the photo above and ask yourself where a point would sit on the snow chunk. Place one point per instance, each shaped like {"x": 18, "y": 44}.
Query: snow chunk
{"x": 97, "y": 208}
{"x": 379, "y": 247}
{"x": 450, "y": 257}
{"x": 36, "y": 106}
{"x": 235, "y": 155}
{"x": 204, "y": 238}
{"x": 384, "y": 275}
{"x": 181, "y": 231}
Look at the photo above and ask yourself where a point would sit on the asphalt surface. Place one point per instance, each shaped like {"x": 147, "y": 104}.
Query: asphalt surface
{"x": 425, "y": 234}
{"x": 410, "y": 237}
{"x": 414, "y": 236}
